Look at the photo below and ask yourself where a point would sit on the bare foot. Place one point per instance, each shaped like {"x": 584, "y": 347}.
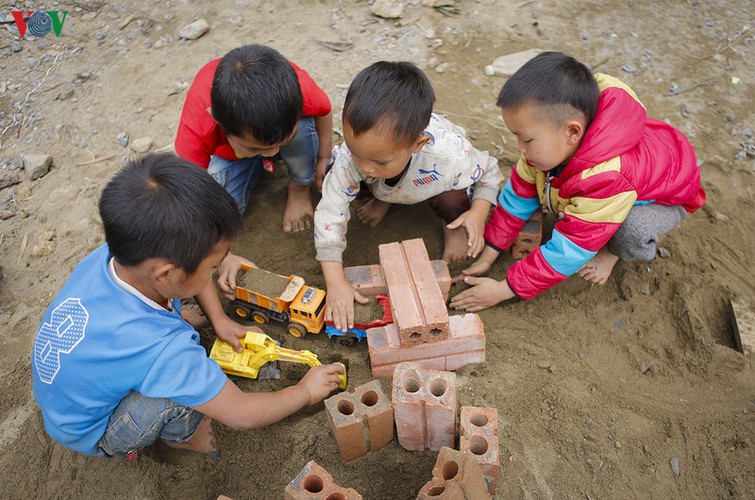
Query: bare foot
{"x": 193, "y": 315}
{"x": 202, "y": 441}
{"x": 299, "y": 209}
{"x": 372, "y": 212}
{"x": 599, "y": 268}
{"x": 454, "y": 244}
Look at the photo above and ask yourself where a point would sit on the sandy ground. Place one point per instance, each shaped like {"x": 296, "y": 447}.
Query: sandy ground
{"x": 641, "y": 370}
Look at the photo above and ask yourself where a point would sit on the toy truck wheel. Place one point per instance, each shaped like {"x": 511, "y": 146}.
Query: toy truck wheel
{"x": 260, "y": 317}
{"x": 346, "y": 341}
{"x": 242, "y": 312}
{"x": 296, "y": 330}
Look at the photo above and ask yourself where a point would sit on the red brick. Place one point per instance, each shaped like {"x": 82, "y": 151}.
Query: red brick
{"x": 424, "y": 407}
{"x": 465, "y": 345}
{"x": 529, "y": 237}
{"x": 478, "y": 429}
{"x": 361, "y": 420}
{"x": 419, "y": 310}
{"x": 456, "y": 476}
{"x": 315, "y": 483}
{"x": 368, "y": 280}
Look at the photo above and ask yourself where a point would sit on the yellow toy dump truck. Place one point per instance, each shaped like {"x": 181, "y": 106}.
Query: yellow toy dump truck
{"x": 263, "y": 295}
{"x": 258, "y": 350}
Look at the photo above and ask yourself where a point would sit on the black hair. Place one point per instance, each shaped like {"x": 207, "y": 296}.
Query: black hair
{"x": 256, "y": 92}
{"x": 395, "y": 95}
{"x": 160, "y": 205}
{"x": 559, "y": 83}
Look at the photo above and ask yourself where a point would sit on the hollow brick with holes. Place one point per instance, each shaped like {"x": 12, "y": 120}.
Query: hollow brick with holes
{"x": 424, "y": 407}
{"x": 369, "y": 281}
{"x": 529, "y": 237}
{"x": 315, "y": 483}
{"x": 456, "y": 476}
{"x": 478, "y": 430}
{"x": 419, "y": 310}
{"x": 465, "y": 345}
{"x": 361, "y": 420}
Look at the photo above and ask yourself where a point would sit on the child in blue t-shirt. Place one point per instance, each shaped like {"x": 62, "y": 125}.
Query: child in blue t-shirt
{"x": 114, "y": 365}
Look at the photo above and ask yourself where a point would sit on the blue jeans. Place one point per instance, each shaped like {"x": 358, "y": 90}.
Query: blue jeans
{"x": 238, "y": 177}
{"x": 138, "y": 421}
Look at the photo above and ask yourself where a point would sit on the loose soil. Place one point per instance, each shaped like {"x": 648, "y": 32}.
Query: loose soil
{"x": 366, "y": 313}
{"x": 597, "y": 388}
{"x": 263, "y": 282}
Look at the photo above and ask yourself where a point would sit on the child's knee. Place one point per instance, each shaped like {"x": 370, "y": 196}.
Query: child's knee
{"x": 449, "y": 205}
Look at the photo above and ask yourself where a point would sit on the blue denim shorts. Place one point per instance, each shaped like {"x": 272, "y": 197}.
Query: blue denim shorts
{"x": 139, "y": 421}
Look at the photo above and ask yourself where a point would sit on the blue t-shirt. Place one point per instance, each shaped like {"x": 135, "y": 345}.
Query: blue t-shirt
{"x": 99, "y": 340}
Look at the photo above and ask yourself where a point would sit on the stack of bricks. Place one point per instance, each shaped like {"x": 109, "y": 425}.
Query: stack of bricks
{"x": 424, "y": 406}
{"x": 456, "y": 476}
{"x": 315, "y": 483}
{"x": 361, "y": 420}
{"x": 422, "y": 330}
{"x": 529, "y": 237}
{"x": 478, "y": 429}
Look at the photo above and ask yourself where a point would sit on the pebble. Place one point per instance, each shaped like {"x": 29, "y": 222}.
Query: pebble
{"x": 644, "y": 368}
{"x": 489, "y": 70}
{"x": 433, "y": 62}
{"x": 37, "y": 166}
{"x": 64, "y": 95}
{"x": 581, "y": 355}
{"x": 194, "y": 30}
{"x": 15, "y": 46}
{"x": 388, "y": 9}
{"x": 543, "y": 365}
{"x": 99, "y": 35}
{"x": 645, "y": 289}
{"x": 730, "y": 117}
{"x": 142, "y": 144}
{"x": 123, "y": 139}
{"x": 664, "y": 252}
{"x": 628, "y": 68}
{"x": 82, "y": 77}
{"x": 747, "y": 132}
{"x": 618, "y": 323}
{"x": 584, "y": 36}
{"x": 676, "y": 467}
{"x": 617, "y": 445}
{"x": 442, "y": 67}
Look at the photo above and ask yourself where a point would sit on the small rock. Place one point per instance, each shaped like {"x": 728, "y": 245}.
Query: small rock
{"x": 15, "y": 46}
{"x": 628, "y": 68}
{"x": 123, "y": 139}
{"x": 590, "y": 423}
{"x": 584, "y": 36}
{"x": 676, "y": 467}
{"x": 142, "y": 145}
{"x": 388, "y": 9}
{"x": 442, "y": 67}
{"x": 433, "y": 62}
{"x": 41, "y": 250}
{"x": 644, "y": 368}
{"x": 37, "y": 166}
{"x": 435, "y": 44}
{"x": 741, "y": 155}
{"x": 509, "y": 64}
{"x": 543, "y": 365}
{"x": 747, "y": 132}
{"x": 551, "y": 369}
{"x": 489, "y": 70}
{"x": 730, "y": 117}
{"x": 618, "y": 323}
{"x": 63, "y": 96}
{"x": 3, "y": 88}
{"x": 162, "y": 42}
{"x": 664, "y": 252}
{"x": 99, "y": 35}
{"x": 645, "y": 289}
{"x": 581, "y": 355}
{"x": 617, "y": 445}
{"x": 82, "y": 77}
{"x": 194, "y": 30}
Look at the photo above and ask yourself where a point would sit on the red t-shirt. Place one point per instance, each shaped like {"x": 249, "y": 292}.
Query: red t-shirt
{"x": 199, "y": 137}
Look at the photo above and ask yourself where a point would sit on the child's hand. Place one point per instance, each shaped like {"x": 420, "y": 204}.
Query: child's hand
{"x": 320, "y": 381}
{"x": 339, "y": 306}
{"x": 227, "y": 274}
{"x": 473, "y": 221}
{"x": 230, "y": 332}
{"x": 485, "y": 292}
{"x": 480, "y": 266}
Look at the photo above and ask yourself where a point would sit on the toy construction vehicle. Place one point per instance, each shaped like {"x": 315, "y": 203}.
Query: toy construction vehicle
{"x": 282, "y": 298}
{"x": 359, "y": 331}
{"x": 258, "y": 350}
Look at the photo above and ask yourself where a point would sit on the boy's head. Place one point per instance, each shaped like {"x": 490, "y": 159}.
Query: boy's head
{"x": 387, "y": 108}
{"x": 169, "y": 218}
{"x": 256, "y": 100}
{"x": 548, "y": 104}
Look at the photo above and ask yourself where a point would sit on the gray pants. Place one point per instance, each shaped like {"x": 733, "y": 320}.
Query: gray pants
{"x": 638, "y": 235}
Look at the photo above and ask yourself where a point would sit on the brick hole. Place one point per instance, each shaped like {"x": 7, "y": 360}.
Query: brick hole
{"x": 313, "y": 484}
{"x": 345, "y": 407}
{"x": 450, "y": 470}
{"x": 528, "y": 241}
{"x": 435, "y": 332}
{"x": 415, "y": 336}
{"x": 336, "y": 496}
{"x": 438, "y": 387}
{"x": 370, "y": 398}
{"x": 436, "y": 491}
{"x": 410, "y": 382}
{"x": 479, "y": 419}
{"x": 478, "y": 445}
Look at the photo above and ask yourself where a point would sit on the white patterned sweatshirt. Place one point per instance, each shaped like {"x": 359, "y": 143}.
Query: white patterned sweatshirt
{"x": 447, "y": 162}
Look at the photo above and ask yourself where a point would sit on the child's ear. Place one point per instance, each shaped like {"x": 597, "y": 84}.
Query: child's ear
{"x": 164, "y": 272}
{"x": 420, "y": 142}
{"x": 575, "y": 130}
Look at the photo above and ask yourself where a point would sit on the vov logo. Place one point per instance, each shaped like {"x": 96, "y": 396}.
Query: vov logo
{"x": 38, "y": 23}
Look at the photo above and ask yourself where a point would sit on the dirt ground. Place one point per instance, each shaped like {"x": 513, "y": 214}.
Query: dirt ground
{"x": 597, "y": 388}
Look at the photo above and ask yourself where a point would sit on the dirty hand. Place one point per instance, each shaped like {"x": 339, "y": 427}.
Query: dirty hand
{"x": 481, "y": 266}
{"x": 485, "y": 292}
{"x": 320, "y": 381}
{"x": 227, "y": 274}
{"x": 339, "y": 306}
{"x": 230, "y": 332}
{"x": 320, "y": 172}
{"x": 474, "y": 225}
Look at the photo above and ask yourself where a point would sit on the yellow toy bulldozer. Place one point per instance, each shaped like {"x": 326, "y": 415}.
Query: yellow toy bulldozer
{"x": 259, "y": 349}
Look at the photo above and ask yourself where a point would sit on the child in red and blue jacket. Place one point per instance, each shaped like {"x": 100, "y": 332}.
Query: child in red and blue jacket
{"x": 616, "y": 179}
